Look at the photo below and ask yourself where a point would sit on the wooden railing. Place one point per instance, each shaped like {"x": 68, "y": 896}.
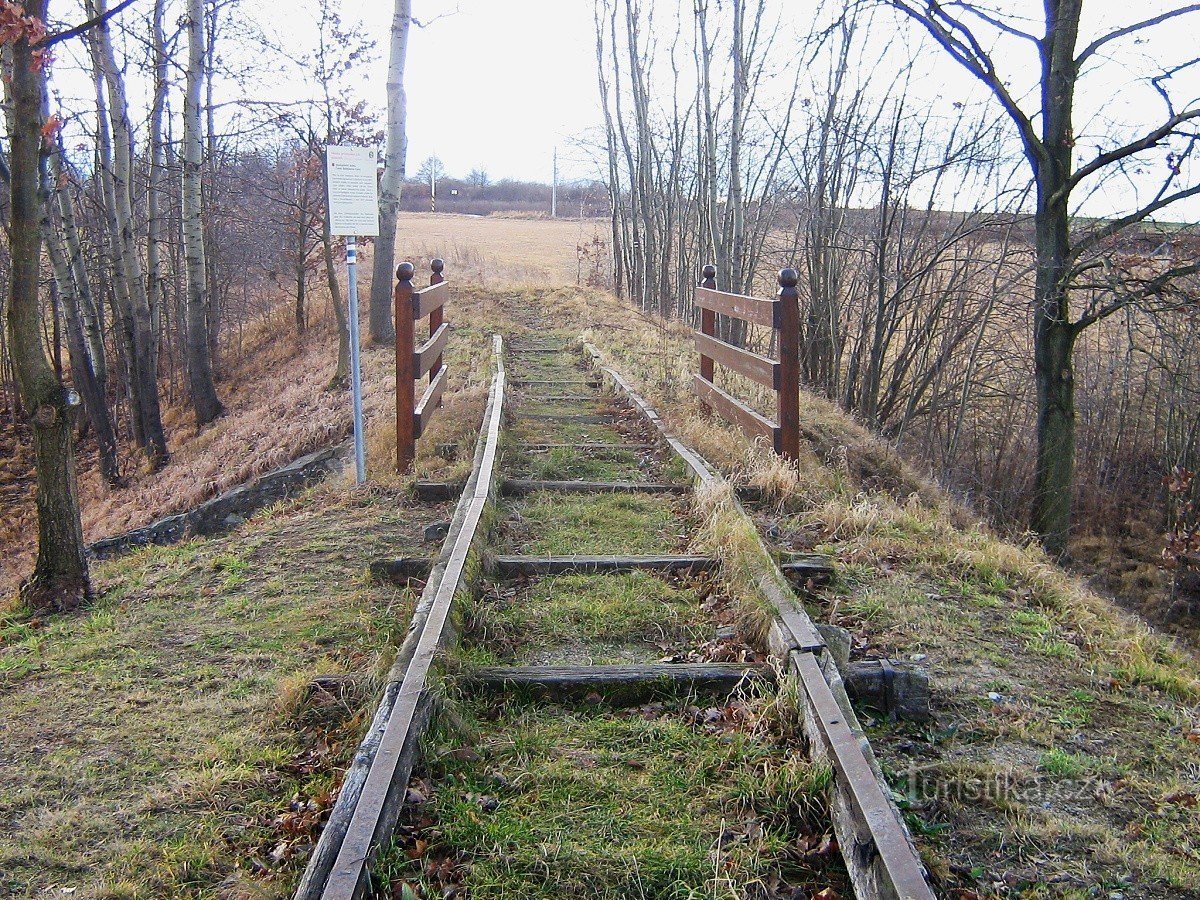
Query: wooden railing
{"x": 412, "y": 417}
{"x": 781, "y": 375}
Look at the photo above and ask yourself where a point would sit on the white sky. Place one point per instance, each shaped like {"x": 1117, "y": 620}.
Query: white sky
{"x": 499, "y": 83}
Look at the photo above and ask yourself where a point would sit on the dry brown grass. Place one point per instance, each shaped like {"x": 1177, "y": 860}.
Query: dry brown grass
{"x": 495, "y": 251}
{"x": 277, "y": 409}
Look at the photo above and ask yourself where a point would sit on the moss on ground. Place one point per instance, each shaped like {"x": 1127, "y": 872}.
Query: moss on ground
{"x": 546, "y": 523}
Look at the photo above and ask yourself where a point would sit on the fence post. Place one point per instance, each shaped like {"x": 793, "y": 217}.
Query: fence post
{"x": 405, "y": 392}
{"x": 787, "y": 321}
{"x": 708, "y": 321}
{"x": 436, "y": 317}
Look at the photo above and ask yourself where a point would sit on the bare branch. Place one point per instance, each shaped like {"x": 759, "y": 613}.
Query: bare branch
{"x": 91, "y": 23}
{"x": 1144, "y": 143}
{"x": 999, "y": 24}
{"x": 968, "y": 52}
{"x": 1095, "y": 45}
{"x": 1155, "y": 287}
{"x": 1116, "y": 225}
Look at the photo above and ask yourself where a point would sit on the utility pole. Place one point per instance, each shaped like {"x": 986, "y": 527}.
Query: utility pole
{"x": 433, "y": 188}
{"x": 554, "y": 188}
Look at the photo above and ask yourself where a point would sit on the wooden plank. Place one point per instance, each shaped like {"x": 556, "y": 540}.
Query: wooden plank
{"x": 628, "y": 684}
{"x": 429, "y": 401}
{"x": 405, "y": 391}
{"x": 430, "y": 352}
{"x": 519, "y": 487}
{"x": 564, "y": 382}
{"x": 806, "y": 566}
{"x": 401, "y": 569}
{"x": 754, "y": 366}
{"x": 753, "y": 423}
{"x": 592, "y": 449}
{"x": 510, "y": 566}
{"x": 787, "y": 317}
{"x": 427, "y": 299}
{"x": 437, "y": 491}
{"x": 576, "y": 418}
{"x": 751, "y": 309}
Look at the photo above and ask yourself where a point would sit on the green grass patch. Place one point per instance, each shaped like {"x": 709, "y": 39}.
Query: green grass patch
{"x": 594, "y": 614}
{"x": 558, "y": 803}
{"x": 153, "y": 742}
{"x": 611, "y": 524}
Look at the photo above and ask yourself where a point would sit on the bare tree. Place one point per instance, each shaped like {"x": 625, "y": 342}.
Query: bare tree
{"x": 1064, "y": 256}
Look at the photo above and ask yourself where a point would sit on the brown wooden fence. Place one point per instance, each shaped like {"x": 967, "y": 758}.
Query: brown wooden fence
{"x": 412, "y": 363}
{"x": 781, "y": 375}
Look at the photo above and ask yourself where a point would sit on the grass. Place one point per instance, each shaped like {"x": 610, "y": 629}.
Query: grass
{"x": 594, "y": 616}
{"x": 550, "y": 802}
{"x": 546, "y": 523}
{"x": 168, "y": 741}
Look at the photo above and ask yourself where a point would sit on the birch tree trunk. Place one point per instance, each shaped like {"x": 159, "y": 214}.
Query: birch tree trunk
{"x": 75, "y": 290}
{"x": 60, "y": 575}
{"x": 203, "y": 392}
{"x": 383, "y": 262}
{"x": 156, "y": 284}
{"x": 128, "y": 263}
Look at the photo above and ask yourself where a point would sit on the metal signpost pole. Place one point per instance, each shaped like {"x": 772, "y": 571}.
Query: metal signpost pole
{"x": 353, "y": 193}
{"x": 360, "y": 456}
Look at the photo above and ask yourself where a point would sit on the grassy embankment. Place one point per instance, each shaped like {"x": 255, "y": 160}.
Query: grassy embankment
{"x": 183, "y": 735}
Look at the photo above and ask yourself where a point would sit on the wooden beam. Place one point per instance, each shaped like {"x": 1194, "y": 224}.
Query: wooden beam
{"x": 519, "y": 487}
{"x": 427, "y": 299}
{"x": 402, "y": 569}
{"x": 510, "y": 566}
{"x": 757, "y": 368}
{"x": 430, "y": 352}
{"x": 590, "y": 447}
{"x": 626, "y": 684}
{"x": 429, "y": 401}
{"x": 437, "y": 491}
{"x": 807, "y": 566}
{"x": 751, "y": 309}
{"x": 575, "y": 418}
{"x": 753, "y": 423}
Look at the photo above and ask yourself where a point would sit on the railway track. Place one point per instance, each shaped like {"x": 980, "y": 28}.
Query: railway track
{"x": 616, "y": 717}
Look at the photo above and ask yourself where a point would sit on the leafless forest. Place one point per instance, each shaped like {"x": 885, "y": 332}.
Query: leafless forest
{"x": 916, "y": 237}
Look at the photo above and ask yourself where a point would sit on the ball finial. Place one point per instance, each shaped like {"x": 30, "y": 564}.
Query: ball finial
{"x": 788, "y": 278}
{"x": 709, "y": 272}
{"x": 437, "y": 265}
{"x": 405, "y": 271}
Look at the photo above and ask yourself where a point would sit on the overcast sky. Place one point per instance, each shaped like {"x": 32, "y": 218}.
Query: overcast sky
{"x": 498, "y": 84}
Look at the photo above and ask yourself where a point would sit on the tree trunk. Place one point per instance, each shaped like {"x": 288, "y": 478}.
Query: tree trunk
{"x": 156, "y": 284}
{"x": 342, "y": 371}
{"x": 1054, "y": 335}
{"x": 383, "y": 262}
{"x": 84, "y": 375}
{"x": 199, "y": 361}
{"x": 127, "y": 259}
{"x": 60, "y": 575}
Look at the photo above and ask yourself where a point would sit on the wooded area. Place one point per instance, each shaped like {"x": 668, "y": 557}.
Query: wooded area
{"x": 1042, "y": 363}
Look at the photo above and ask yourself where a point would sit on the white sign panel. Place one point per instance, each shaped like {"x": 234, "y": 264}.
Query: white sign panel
{"x": 353, "y": 191}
